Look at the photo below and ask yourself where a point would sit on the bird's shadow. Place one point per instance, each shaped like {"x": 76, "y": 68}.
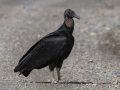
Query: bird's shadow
{"x": 75, "y": 82}
{"x": 71, "y": 82}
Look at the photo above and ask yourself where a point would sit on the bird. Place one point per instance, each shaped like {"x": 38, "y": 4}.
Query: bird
{"x": 51, "y": 50}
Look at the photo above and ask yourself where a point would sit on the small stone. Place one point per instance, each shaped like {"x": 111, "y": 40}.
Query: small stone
{"x": 90, "y": 61}
{"x": 92, "y": 34}
{"x": 6, "y": 68}
{"x": 95, "y": 84}
{"x": 105, "y": 67}
{"x": 38, "y": 35}
{"x": 107, "y": 28}
{"x": 25, "y": 84}
{"x": 108, "y": 70}
{"x": 48, "y": 80}
{"x": 81, "y": 67}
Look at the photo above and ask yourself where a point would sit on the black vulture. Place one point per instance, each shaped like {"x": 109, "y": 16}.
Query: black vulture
{"x": 51, "y": 50}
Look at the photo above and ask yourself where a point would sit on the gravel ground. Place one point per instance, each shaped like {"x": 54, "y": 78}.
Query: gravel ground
{"x": 94, "y": 63}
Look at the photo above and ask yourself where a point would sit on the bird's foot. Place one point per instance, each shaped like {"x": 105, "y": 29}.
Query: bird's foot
{"x": 53, "y": 81}
{"x": 59, "y": 81}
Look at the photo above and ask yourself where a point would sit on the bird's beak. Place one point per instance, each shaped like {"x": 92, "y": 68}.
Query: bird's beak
{"x": 76, "y": 16}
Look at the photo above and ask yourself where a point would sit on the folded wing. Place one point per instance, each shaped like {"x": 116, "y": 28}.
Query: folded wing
{"x": 44, "y": 51}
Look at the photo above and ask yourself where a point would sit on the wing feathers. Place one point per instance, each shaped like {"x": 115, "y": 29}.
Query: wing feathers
{"x": 43, "y": 52}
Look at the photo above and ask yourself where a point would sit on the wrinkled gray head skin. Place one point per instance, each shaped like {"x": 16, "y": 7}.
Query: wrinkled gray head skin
{"x": 70, "y": 14}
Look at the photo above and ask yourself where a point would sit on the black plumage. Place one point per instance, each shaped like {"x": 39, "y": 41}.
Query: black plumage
{"x": 51, "y": 50}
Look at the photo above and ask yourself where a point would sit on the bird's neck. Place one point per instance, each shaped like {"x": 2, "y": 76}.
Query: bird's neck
{"x": 68, "y": 25}
{"x": 69, "y": 22}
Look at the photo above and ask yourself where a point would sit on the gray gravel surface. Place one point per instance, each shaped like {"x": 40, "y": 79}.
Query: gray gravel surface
{"x": 94, "y": 63}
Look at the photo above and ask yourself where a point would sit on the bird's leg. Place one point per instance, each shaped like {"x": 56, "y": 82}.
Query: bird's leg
{"x": 53, "y": 77}
{"x": 58, "y": 74}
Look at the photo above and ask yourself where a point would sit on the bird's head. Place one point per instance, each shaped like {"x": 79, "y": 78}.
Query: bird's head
{"x": 70, "y": 14}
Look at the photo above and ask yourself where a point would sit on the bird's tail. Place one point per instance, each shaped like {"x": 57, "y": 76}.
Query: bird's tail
{"x": 25, "y": 72}
{"x": 20, "y": 66}
{"x": 16, "y": 69}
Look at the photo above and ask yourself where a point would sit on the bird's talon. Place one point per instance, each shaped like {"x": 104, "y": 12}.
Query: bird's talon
{"x": 59, "y": 81}
{"x": 54, "y": 82}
